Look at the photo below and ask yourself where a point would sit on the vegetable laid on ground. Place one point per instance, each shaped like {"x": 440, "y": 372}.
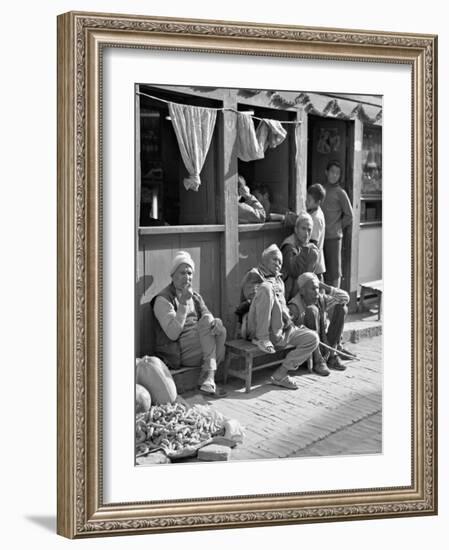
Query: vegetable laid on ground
{"x": 177, "y": 430}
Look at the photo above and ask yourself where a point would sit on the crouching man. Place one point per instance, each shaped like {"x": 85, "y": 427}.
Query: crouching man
{"x": 187, "y": 334}
{"x": 268, "y": 321}
{"x": 310, "y": 307}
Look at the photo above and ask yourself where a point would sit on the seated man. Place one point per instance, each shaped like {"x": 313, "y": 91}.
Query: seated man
{"x": 263, "y": 195}
{"x": 299, "y": 255}
{"x": 250, "y": 209}
{"x": 268, "y": 318}
{"x": 187, "y": 333}
{"x": 310, "y": 307}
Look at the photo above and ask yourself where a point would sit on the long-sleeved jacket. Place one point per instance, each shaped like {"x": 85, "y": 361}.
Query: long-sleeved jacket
{"x": 251, "y": 282}
{"x": 251, "y": 211}
{"x": 297, "y": 259}
{"x": 337, "y": 211}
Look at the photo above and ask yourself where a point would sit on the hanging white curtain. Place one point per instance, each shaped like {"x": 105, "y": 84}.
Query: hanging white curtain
{"x": 248, "y": 146}
{"x": 270, "y": 133}
{"x": 193, "y": 127}
{"x": 252, "y": 143}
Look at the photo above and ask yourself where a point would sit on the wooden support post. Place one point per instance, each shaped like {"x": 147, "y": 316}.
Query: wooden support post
{"x": 226, "y": 365}
{"x": 248, "y": 372}
{"x": 301, "y": 136}
{"x": 230, "y": 269}
{"x": 138, "y": 249}
{"x": 356, "y": 192}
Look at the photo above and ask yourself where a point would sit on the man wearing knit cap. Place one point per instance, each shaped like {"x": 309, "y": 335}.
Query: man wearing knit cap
{"x": 187, "y": 334}
{"x": 310, "y": 307}
{"x": 268, "y": 321}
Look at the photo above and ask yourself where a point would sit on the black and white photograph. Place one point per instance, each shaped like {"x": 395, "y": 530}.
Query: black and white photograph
{"x": 258, "y": 269}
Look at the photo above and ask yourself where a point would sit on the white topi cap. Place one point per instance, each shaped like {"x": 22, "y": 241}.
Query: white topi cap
{"x": 304, "y": 278}
{"x": 272, "y": 249}
{"x": 182, "y": 257}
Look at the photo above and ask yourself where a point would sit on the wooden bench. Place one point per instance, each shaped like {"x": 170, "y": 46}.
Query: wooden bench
{"x": 248, "y": 352}
{"x": 375, "y": 287}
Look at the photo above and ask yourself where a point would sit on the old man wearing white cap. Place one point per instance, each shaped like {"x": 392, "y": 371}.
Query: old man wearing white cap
{"x": 268, "y": 318}
{"x": 187, "y": 334}
{"x": 310, "y": 307}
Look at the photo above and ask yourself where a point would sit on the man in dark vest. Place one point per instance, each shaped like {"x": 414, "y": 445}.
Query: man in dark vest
{"x": 187, "y": 334}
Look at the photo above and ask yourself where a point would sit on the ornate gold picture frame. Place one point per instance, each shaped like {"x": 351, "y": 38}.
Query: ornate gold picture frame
{"x": 82, "y": 509}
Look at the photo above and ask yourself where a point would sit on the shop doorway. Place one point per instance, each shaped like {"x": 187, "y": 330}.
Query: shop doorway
{"x": 333, "y": 139}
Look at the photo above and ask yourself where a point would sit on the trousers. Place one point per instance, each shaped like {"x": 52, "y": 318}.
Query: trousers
{"x": 200, "y": 347}
{"x": 265, "y": 322}
{"x": 265, "y": 314}
{"x": 332, "y": 256}
{"x": 337, "y": 322}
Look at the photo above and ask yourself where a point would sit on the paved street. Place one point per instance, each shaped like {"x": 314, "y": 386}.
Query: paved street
{"x": 338, "y": 414}
{"x": 362, "y": 437}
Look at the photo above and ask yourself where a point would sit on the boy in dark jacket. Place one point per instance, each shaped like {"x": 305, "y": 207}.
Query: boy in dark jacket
{"x": 338, "y": 214}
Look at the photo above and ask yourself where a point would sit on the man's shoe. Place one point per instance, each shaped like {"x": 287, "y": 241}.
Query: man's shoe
{"x": 264, "y": 345}
{"x": 335, "y": 363}
{"x": 349, "y": 355}
{"x": 285, "y": 382}
{"x": 321, "y": 368}
{"x": 211, "y": 390}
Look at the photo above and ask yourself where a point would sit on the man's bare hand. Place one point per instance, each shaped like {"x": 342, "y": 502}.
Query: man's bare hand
{"x": 186, "y": 294}
{"x": 323, "y": 286}
{"x": 216, "y": 326}
{"x": 244, "y": 192}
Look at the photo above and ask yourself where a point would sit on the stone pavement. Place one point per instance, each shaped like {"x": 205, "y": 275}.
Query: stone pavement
{"x": 362, "y": 437}
{"x": 361, "y": 325}
{"x": 338, "y": 414}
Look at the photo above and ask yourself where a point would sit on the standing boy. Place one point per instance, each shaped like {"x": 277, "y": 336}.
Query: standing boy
{"x": 315, "y": 197}
{"x": 338, "y": 215}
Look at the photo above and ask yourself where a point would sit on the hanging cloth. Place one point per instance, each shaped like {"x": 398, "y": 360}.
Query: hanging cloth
{"x": 248, "y": 147}
{"x": 193, "y": 127}
{"x": 270, "y": 133}
{"x": 251, "y": 143}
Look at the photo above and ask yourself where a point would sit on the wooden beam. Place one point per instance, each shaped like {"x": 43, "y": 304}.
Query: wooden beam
{"x": 138, "y": 259}
{"x": 217, "y": 94}
{"x": 301, "y": 135}
{"x": 228, "y": 165}
{"x": 356, "y": 192}
{"x": 137, "y": 170}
